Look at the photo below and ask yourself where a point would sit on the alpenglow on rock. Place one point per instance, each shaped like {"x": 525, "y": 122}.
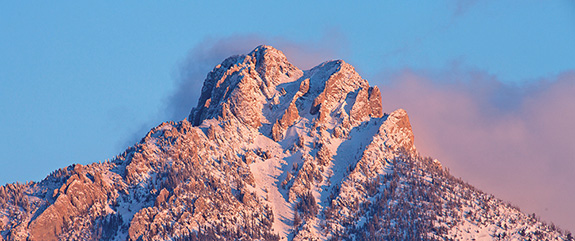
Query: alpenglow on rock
{"x": 271, "y": 152}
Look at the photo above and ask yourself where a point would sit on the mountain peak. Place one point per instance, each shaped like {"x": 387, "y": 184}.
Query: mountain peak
{"x": 267, "y": 50}
{"x": 271, "y": 152}
{"x": 242, "y": 87}
{"x": 273, "y": 65}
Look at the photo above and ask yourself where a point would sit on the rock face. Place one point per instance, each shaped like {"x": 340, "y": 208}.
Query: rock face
{"x": 241, "y": 84}
{"x": 270, "y": 152}
{"x": 74, "y": 198}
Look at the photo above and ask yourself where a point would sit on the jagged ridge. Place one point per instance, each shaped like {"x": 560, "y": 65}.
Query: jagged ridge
{"x": 270, "y": 151}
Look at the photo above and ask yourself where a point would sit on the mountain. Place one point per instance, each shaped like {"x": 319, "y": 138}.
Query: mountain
{"x": 270, "y": 152}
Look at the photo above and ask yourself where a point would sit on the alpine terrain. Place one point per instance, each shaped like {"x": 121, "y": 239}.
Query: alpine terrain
{"x": 271, "y": 152}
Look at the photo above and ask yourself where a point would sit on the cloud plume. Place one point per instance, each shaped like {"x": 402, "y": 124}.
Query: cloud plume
{"x": 515, "y": 141}
{"x": 202, "y": 58}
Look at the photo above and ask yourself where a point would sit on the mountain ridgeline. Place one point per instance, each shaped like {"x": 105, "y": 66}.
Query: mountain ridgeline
{"x": 271, "y": 152}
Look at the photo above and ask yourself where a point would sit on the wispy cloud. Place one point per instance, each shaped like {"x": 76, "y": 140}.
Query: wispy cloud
{"x": 517, "y": 142}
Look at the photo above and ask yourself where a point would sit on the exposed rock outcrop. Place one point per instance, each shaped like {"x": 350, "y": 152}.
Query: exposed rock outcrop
{"x": 270, "y": 152}
{"x": 241, "y": 84}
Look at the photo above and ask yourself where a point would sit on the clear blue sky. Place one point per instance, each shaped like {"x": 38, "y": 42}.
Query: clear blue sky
{"x": 79, "y": 80}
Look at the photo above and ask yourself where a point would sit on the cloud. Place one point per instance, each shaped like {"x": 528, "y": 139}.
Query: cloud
{"x": 515, "y": 141}
{"x": 202, "y": 58}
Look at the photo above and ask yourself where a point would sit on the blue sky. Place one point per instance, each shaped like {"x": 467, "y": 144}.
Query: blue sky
{"x": 82, "y": 81}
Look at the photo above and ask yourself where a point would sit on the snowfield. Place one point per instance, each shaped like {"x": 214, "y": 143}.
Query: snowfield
{"x": 271, "y": 152}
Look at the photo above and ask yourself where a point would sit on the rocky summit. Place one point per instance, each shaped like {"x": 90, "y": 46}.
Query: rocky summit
{"x": 270, "y": 152}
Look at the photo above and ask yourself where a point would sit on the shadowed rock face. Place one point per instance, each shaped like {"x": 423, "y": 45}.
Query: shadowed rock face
{"x": 367, "y": 104}
{"x": 270, "y": 152}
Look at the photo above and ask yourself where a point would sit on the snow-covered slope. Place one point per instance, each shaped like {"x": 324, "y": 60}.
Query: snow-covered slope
{"x": 271, "y": 152}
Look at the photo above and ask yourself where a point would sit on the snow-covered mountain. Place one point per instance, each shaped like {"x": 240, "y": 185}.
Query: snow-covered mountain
{"x": 271, "y": 152}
